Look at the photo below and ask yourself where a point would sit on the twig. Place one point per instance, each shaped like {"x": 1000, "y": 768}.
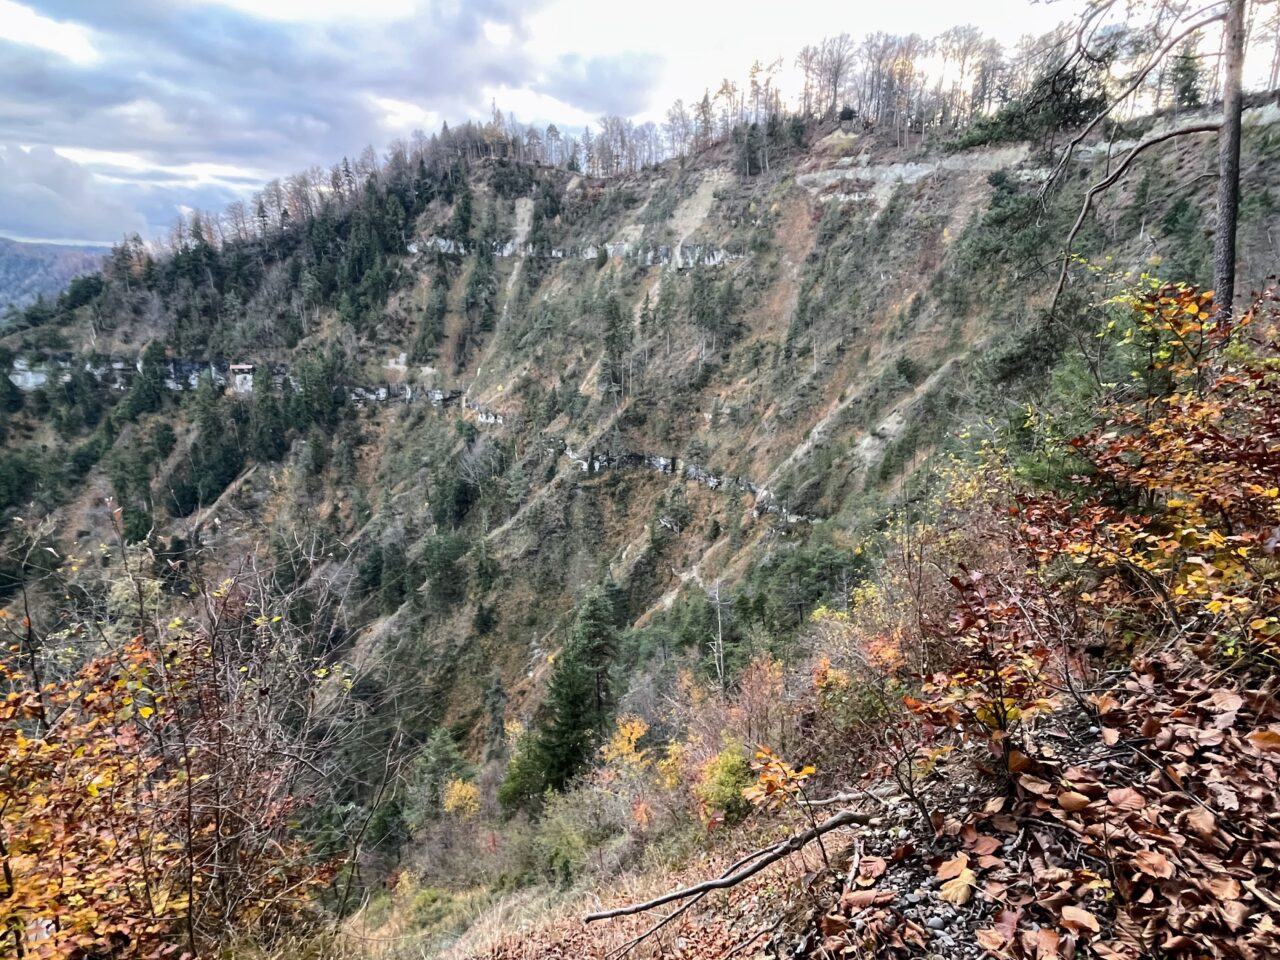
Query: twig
{"x": 879, "y": 795}
{"x": 1134, "y": 83}
{"x": 732, "y": 878}
{"x": 854, "y": 863}
{"x": 635, "y": 941}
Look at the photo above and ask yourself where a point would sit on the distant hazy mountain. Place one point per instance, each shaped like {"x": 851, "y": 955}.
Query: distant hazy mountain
{"x": 30, "y": 269}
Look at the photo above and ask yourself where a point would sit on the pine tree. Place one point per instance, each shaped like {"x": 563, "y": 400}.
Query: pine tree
{"x": 617, "y": 342}
{"x": 267, "y": 441}
{"x": 147, "y": 390}
{"x": 579, "y": 694}
{"x": 394, "y": 578}
{"x": 439, "y": 762}
{"x": 1188, "y": 83}
{"x": 460, "y": 225}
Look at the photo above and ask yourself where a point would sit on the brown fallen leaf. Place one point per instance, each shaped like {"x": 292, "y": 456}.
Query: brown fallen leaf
{"x": 1267, "y": 740}
{"x": 991, "y": 939}
{"x": 1153, "y": 864}
{"x": 1071, "y": 801}
{"x": 1078, "y": 918}
{"x": 1041, "y": 944}
{"x": 1223, "y": 887}
{"x": 832, "y": 925}
{"x": 953, "y": 867}
{"x": 985, "y": 845}
{"x": 1226, "y": 701}
{"x": 861, "y": 899}
{"x": 1234, "y": 913}
{"x": 1202, "y": 821}
{"x": 1126, "y": 798}
{"x": 1035, "y": 785}
{"x": 1019, "y": 762}
{"x": 872, "y": 867}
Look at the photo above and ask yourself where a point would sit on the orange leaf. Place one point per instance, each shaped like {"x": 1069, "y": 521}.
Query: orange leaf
{"x": 1267, "y": 740}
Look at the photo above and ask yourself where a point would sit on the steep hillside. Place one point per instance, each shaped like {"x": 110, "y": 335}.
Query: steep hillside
{"x": 459, "y": 405}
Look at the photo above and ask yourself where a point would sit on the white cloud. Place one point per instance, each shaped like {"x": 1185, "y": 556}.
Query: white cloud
{"x": 45, "y": 195}
{"x": 316, "y": 11}
{"x": 115, "y": 166}
{"x": 23, "y": 25}
{"x": 499, "y": 34}
{"x": 402, "y": 116}
{"x": 529, "y": 106}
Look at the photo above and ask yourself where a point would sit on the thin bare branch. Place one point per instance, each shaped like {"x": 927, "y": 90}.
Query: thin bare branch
{"x": 1105, "y": 183}
{"x": 1136, "y": 82}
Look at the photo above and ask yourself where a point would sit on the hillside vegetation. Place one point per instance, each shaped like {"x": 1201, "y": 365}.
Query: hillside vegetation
{"x": 580, "y": 538}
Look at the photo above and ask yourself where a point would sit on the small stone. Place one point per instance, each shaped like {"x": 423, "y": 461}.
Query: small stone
{"x": 936, "y": 923}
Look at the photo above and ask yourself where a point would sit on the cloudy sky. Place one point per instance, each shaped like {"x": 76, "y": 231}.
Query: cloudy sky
{"x": 116, "y": 113}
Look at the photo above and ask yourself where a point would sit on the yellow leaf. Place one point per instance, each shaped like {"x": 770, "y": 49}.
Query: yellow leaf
{"x": 959, "y": 889}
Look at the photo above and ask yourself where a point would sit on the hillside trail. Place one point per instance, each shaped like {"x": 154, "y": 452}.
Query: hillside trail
{"x": 207, "y": 514}
{"x": 877, "y": 181}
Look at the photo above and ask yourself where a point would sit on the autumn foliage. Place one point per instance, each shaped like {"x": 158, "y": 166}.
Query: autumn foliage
{"x": 1154, "y": 835}
{"x": 150, "y": 798}
{"x": 89, "y": 858}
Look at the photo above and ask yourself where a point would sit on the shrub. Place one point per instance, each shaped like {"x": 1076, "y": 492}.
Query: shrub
{"x": 462, "y": 799}
{"x": 720, "y": 787}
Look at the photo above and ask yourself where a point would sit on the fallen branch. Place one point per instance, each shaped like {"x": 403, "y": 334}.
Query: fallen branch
{"x": 878, "y": 794}
{"x": 640, "y": 938}
{"x": 733, "y": 877}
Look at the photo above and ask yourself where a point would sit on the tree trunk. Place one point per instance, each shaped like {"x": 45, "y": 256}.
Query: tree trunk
{"x": 1228, "y": 201}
